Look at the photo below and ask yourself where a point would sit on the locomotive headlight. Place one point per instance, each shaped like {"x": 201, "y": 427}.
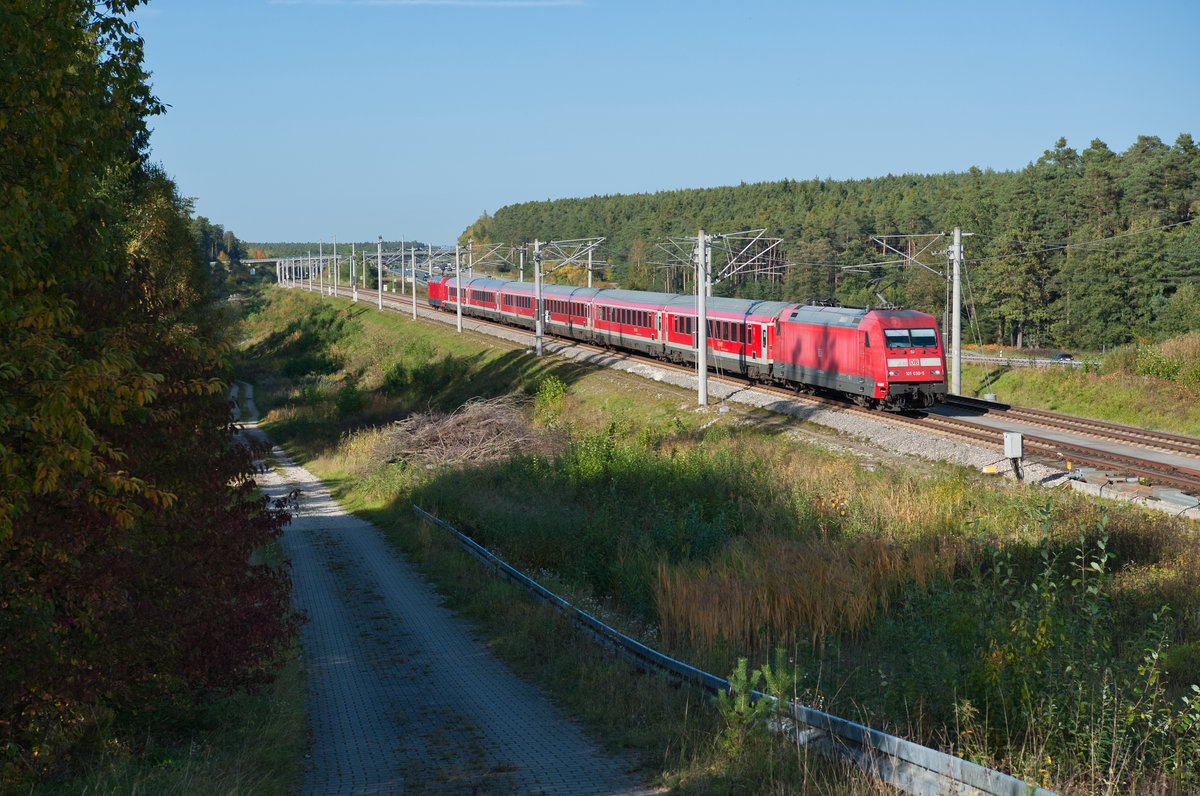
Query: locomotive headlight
{"x": 893, "y": 373}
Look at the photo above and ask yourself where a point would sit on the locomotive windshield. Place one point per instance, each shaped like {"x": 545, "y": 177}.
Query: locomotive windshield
{"x": 910, "y": 338}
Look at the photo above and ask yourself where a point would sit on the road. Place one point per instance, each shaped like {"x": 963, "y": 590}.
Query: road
{"x": 402, "y": 697}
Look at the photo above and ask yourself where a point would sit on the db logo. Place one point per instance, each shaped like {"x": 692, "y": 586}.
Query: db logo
{"x": 914, "y": 362}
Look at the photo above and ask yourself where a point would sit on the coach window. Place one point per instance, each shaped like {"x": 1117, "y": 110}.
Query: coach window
{"x": 866, "y": 339}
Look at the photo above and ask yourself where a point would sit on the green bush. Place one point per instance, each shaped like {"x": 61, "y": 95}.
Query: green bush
{"x": 350, "y": 400}
{"x": 310, "y": 364}
{"x": 548, "y": 397}
{"x": 1152, "y": 362}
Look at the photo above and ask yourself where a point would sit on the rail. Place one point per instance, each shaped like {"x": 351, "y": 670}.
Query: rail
{"x": 905, "y": 765}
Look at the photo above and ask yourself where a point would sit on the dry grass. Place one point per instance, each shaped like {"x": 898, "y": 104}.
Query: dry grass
{"x": 1185, "y": 349}
{"x": 782, "y": 585}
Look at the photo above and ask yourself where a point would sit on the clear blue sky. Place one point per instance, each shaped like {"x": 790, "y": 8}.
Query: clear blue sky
{"x": 308, "y": 119}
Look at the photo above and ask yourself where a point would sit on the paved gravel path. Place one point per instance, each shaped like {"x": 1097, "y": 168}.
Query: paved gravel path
{"x": 402, "y": 697}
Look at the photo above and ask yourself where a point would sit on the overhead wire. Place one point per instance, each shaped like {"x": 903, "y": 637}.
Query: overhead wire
{"x": 1051, "y": 247}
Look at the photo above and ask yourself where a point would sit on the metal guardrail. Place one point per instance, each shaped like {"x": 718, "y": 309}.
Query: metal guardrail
{"x": 905, "y": 765}
{"x": 1028, "y": 362}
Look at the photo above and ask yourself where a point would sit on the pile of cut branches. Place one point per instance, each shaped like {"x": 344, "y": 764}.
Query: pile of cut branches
{"x": 480, "y": 431}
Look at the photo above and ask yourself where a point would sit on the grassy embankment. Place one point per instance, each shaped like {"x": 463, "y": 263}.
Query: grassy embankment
{"x": 1152, "y": 386}
{"x": 1040, "y": 633}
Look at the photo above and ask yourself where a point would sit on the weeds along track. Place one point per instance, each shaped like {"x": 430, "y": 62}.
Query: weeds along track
{"x": 961, "y": 428}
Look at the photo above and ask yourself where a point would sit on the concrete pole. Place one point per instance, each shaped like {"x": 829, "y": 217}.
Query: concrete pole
{"x": 333, "y": 288}
{"x": 956, "y": 317}
{"x": 521, "y": 277}
{"x": 353, "y": 280}
{"x": 458, "y": 286}
{"x": 701, "y": 318}
{"x": 537, "y": 296}
{"x": 589, "y": 267}
{"x": 379, "y": 266}
{"x": 414, "y": 284}
{"x": 321, "y": 267}
{"x": 470, "y": 258}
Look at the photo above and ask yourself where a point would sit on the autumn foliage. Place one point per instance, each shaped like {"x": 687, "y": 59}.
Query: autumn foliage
{"x": 130, "y": 530}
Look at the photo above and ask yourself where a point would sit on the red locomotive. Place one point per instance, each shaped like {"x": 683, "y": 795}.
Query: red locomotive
{"x": 887, "y": 358}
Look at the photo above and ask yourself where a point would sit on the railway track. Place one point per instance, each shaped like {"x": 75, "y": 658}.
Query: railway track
{"x": 1098, "y": 429}
{"x": 1097, "y": 456}
{"x": 1046, "y": 450}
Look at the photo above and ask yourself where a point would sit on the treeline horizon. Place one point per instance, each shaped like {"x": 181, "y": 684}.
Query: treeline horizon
{"x": 1083, "y": 249}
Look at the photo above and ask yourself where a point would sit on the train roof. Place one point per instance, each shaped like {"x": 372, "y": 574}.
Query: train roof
{"x": 814, "y": 314}
{"x": 554, "y": 290}
{"x": 820, "y": 315}
{"x": 817, "y": 315}
{"x": 636, "y": 296}
{"x": 722, "y": 305}
{"x": 478, "y": 283}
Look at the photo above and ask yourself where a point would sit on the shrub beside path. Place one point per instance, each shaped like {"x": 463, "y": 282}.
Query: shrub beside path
{"x": 402, "y": 697}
